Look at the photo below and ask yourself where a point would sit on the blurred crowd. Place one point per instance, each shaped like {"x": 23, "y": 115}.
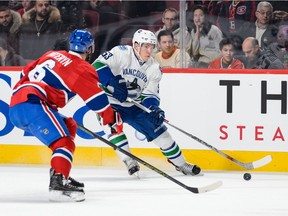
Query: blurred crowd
{"x": 218, "y": 34}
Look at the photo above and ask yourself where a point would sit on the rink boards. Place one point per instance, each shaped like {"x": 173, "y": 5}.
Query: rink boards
{"x": 240, "y": 112}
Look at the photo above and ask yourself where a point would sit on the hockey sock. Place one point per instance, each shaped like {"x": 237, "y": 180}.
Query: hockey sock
{"x": 174, "y": 155}
{"x": 121, "y": 141}
{"x": 72, "y": 127}
{"x": 170, "y": 149}
{"x": 62, "y": 157}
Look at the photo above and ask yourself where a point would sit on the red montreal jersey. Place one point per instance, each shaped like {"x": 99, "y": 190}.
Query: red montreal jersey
{"x": 57, "y": 77}
{"x": 235, "y": 64}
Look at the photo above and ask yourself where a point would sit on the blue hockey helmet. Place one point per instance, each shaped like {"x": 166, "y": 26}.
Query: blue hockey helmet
{"x": 81, "y": 41}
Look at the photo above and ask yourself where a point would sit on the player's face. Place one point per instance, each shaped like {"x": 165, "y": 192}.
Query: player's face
{"x": 146, "y": 51}
{"x": 42, "y": 8}
{"x": 227, "y": 53}
{"x": 264, "y": 15}
{"x": 5, "y": 18}
{"x": 198, "y": 17}
{"x": 169, "y": 19}
{"x": 166, "y": 44}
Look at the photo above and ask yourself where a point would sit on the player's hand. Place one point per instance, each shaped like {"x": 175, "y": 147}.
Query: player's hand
{"x": 120, "y": 91}
{"x": 117, "y": 126}
{"x": 157, "y": 115}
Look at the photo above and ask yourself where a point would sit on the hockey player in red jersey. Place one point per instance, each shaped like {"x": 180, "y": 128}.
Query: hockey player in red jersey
{"x": 48, "y": 84}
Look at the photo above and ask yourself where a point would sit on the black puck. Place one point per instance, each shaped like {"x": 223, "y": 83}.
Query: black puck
{"x": 247, "y": 176}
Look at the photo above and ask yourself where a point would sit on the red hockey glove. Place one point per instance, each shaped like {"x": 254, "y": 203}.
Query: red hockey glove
{"x": 117, "y": 126}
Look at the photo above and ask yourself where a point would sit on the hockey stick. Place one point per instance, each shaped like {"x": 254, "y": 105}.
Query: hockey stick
{"x": 248, "y": 166}
{"x": 196, "y": 190}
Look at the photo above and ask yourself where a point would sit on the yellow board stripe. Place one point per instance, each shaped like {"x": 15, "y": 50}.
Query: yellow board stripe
{"x": 102, "y": 156}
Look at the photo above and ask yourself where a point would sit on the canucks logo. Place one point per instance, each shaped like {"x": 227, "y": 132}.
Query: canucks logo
{"x": 133, "y": 88}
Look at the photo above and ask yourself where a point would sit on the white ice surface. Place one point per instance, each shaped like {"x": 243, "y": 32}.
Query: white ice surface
{"x": 111, "y": 191}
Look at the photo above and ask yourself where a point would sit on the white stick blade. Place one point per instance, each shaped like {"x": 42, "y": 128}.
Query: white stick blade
{"x": 210, "y": 187}
{"x": 262, "y": 162}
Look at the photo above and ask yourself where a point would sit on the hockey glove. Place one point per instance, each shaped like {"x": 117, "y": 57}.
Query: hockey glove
{"x": 157, "y": 115}
{"x": 117, "y": 126}
{"x": 120, "y": 89}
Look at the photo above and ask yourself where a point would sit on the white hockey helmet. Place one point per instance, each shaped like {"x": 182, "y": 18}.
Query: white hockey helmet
{"x": 144, "y": 36}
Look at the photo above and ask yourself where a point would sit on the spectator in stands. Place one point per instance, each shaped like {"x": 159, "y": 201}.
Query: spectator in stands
{"x": 10, "y": 22}
{"x": 227, "y": 60}
{"x": 233, "y": 13}
{"x": 14, "y": 4}
{"x": 259, "y": 58}
{"x": 280, "y": 48}
{"x": 71, "y": 15}
{"x": 205, "y": 39}
{"x": 169, "y": 56}
{"x": 8, "y": 57}
{"x": 26, "y": 6}
{"x": 40, "y": 29}
{"x": 213, "y": 8}
{"x": 170, "y": 20}
{"x": 262, "y": 30}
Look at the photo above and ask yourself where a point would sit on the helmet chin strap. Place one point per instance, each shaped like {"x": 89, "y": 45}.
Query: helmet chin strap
{"x": 141, "y": 61}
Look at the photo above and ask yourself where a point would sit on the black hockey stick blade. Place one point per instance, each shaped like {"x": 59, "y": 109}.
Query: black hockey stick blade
{"x": 248, "y": 166}
{"x": 196, "y": 190}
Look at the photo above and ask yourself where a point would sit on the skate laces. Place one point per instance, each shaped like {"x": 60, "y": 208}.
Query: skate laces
{"x": 65, "y": 182}
{"x": 70, "y": 179}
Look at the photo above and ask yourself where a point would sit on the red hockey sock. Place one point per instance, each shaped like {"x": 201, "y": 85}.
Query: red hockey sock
{"x": 62, "y": 157}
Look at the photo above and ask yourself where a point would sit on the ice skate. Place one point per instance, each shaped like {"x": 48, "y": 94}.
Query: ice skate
{"x": 189, "y": 169}
{"x": 71, "y": 180}
{"x": 132, "y": 166}
{"x": 61, "y": 191}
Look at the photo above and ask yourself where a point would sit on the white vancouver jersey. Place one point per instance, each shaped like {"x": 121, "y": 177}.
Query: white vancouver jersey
{"x": 142, "y": 79}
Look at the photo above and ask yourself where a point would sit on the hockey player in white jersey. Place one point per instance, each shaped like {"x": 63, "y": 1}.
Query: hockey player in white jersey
{"x": 127, "y": 71}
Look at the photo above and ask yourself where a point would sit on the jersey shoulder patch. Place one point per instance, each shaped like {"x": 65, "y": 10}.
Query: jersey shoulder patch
{"x": 122, "y": 47}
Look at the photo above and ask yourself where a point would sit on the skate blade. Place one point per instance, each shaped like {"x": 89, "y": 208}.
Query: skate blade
{"x": 199, "y": 174}
{"x": 66, "y": 196}
{"x": 137, "y": 175}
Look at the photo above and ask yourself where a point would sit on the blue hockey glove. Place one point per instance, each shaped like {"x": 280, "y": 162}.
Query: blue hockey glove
{"x": 157, "y": 115}
{"x": 120, "y": 89}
